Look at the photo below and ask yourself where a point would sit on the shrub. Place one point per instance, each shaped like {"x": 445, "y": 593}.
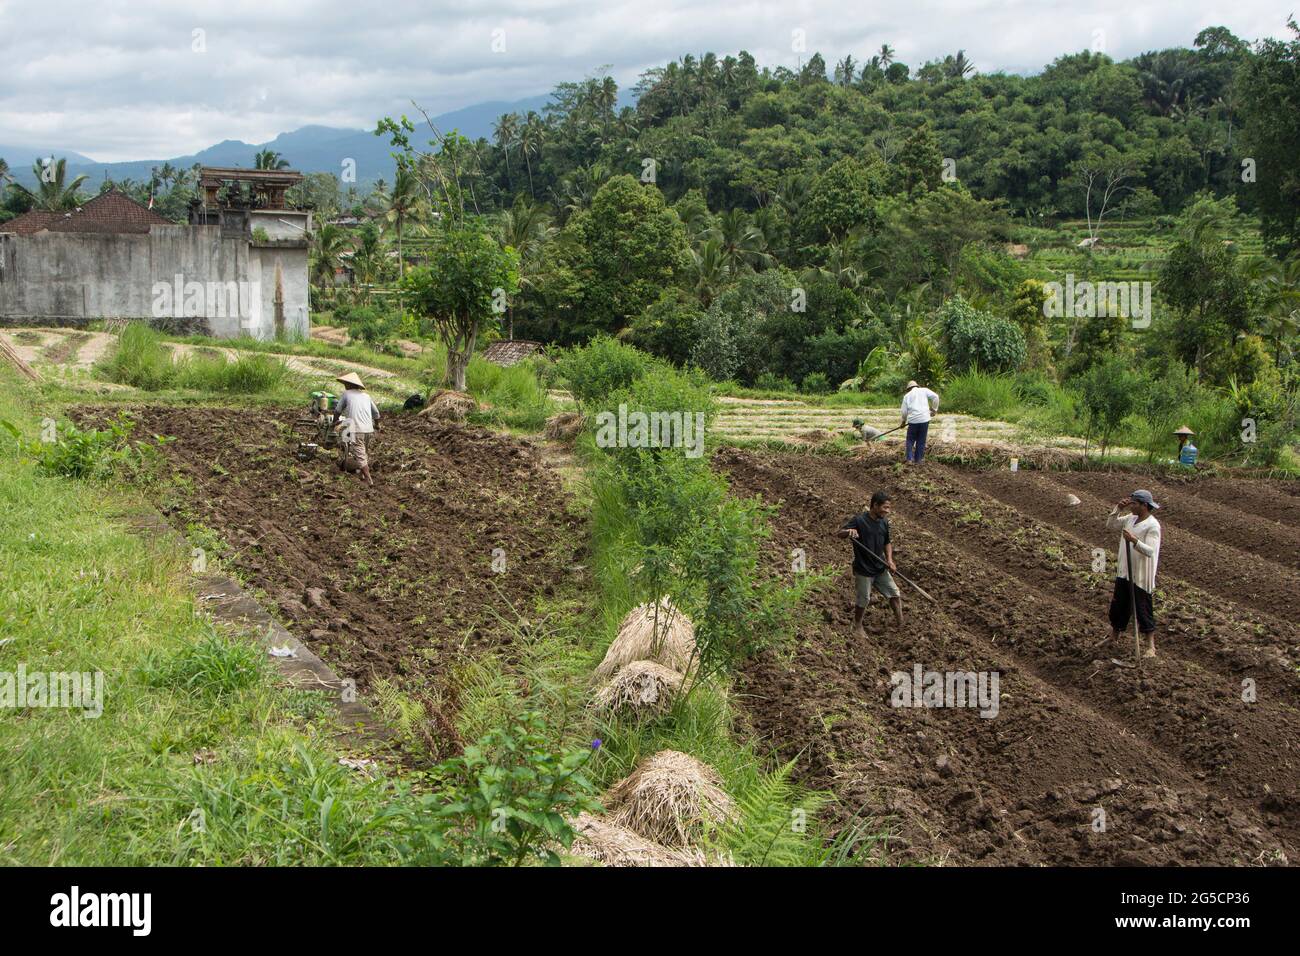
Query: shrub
{"x": 507, "y": 799}
{"x": 975, "y": 338}
{"x": 771, "y": 382}
{"x": 601, "y": 367}
{"x": 72, "y": 452}
{"x": 1109, "y": 392}
{"x": 924, "y": 362}
{"x": 981, "y": 394}
{"x": 816, "y": 383}
{"x": 373, "y": 326}
{"x": 667, "y": 327}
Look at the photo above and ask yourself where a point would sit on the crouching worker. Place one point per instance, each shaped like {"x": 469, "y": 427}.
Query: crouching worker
{"x": 1140, "y": 539}
{"x": 873, "y": 559}
{"x": 865, "y": 430}
{"x": 361, "y": 418}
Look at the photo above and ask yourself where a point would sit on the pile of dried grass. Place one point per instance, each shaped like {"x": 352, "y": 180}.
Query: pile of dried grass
{"x": 656, "y": 632}
{"x": 598, "y": 839}
{"x": 814, "y": 436}
{"x": 449, "y": 405}
{"x": 565, "y": 426}
{"x": 641, "y": 686}
{"x": 670, "y": 798}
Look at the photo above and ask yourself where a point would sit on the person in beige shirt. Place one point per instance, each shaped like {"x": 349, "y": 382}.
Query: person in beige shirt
{"x": 1140, "y": 536}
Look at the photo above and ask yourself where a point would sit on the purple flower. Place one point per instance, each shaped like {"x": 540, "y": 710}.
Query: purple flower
{"x": 595, "y": 744}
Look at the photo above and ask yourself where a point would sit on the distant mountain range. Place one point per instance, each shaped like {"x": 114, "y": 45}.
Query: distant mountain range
{"x": 311, "y": 149}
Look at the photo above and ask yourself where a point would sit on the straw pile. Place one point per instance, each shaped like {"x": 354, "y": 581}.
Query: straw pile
{"x": 641, "y": 686}
{"x": 671, "y": 643}
{"x": 598, "y": 839}
{"x": 564, "y": 427}
{"x": 814, "y": 436}
{"x": 449, "y": 405}
{"x": 671, "y": 798}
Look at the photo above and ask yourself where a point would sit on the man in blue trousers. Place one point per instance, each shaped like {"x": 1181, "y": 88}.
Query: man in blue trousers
{"x": 919, "y": 404}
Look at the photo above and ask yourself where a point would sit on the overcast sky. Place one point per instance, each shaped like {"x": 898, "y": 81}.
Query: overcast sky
{"x": 146, "y": 79}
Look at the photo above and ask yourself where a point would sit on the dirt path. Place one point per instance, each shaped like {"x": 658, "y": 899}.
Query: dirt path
{"x": 1184, "y": 770}
{"x": 59, "y": 351}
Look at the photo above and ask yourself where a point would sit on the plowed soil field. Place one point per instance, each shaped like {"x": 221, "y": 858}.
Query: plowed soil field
{"x": 1192, "y": 759}
{"x": 464, "y": 531}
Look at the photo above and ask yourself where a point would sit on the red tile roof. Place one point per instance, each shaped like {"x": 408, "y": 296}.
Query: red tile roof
{"x": 110, "y": 212}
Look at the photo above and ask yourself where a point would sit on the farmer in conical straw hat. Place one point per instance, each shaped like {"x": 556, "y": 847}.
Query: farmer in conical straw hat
{"x": 361, "y": 418}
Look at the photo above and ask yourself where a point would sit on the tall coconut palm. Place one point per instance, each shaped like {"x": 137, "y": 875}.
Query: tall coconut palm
{"x": 4, "y": 172}
{"x": 886, "y": 55}
{"x": 53, "y": 193}
{"x": 269, "y": 159}
{"x": 504, "y": 131}
{"x": 531, "y": 136}
{"x": 844, "y": 71}
{"x": 399, "y": 205}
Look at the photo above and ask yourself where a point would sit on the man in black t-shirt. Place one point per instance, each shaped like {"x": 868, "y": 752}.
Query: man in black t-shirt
{"x": 873, "y": 559}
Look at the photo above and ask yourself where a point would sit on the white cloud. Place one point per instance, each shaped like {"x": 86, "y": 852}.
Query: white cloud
{"x": 123, "y": 81}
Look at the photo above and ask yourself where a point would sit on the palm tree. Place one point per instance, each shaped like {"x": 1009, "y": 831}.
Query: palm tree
{"x": 743, "y": 245}
{"x": 957, "y": 67}
{"x": 886, "y": 55}
{"x": 1278, "y": 288}
{"x": 52, "y": 193}
{"x": 330, "y": 244}
{"x": 531, "y": 137}
{"x": 605, "y": 99}
{"x": 844, "y": 71}
{"x": 504, "y": 132}
{"x": 4, "y": 172}
{"x": 399, "y": 205}
{"x": 577, "y": 192}
{"x": 269, "y": 159}
{"x": 367, "y": 259}
{"x": 708, "y": 269}
{"x": 526, "y": 228}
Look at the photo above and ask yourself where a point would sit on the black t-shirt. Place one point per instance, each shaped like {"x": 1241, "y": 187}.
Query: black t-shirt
{"x": 874, "y": 533}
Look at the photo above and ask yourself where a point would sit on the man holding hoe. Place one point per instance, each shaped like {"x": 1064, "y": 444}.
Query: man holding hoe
{"x": 919, "y": 406}
{"x": 1139, "y": 542}
{"x": 873, "y": 559}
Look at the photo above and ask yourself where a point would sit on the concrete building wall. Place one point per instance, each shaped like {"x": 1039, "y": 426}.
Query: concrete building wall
{"x": 185, "y": 277}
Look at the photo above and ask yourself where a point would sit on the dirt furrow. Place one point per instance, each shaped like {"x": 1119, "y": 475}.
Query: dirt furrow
{"x": 1215, "y": 524}
{"x": 1248, "y": 584}
{"x": 1049, "y": 755}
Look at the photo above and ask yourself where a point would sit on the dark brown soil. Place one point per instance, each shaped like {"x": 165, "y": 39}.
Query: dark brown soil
{"x": 1185, "y": 770}
{"x": 393, "y": 581}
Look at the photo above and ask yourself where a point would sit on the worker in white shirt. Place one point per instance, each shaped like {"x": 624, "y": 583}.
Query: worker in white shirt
{"x": 361, "y": 418}
{"x": 1140, "y": 538}
{"x": 919, "y": 405}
